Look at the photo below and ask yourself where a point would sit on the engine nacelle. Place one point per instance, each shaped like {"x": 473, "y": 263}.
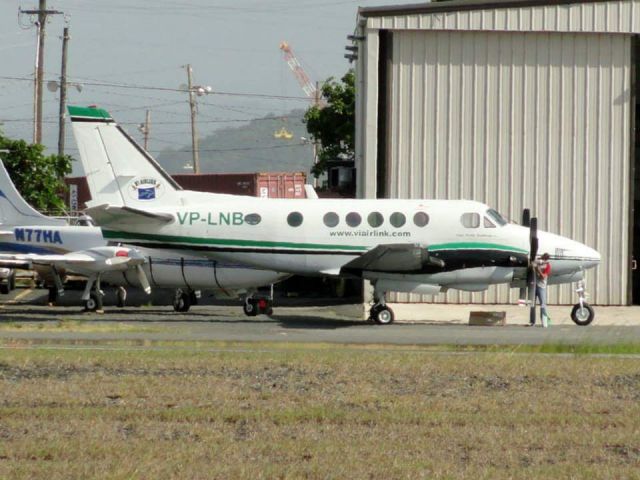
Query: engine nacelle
{"x": 385, "y": 285}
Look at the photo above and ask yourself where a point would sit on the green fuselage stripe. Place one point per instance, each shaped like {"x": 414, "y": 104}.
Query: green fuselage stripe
{"x": 111, "y": 234}
{"x": 227, "y": 241}
{"x": 474, "y": 246}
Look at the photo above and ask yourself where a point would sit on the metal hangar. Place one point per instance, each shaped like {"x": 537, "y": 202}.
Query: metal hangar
{"x": 515, "y": 103}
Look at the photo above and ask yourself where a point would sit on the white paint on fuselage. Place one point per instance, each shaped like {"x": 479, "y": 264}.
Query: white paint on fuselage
{"x": 314, "y": 248}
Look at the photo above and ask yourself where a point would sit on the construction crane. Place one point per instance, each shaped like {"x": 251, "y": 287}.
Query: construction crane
{"x": 305, "y": 82}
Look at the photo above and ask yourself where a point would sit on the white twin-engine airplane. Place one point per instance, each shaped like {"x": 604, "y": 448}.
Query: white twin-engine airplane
{"x": 53, "y": 248}
{"x": 419, "y": 246}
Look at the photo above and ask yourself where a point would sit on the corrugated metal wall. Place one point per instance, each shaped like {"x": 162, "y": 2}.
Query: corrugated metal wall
{"x": 516, "y": 120}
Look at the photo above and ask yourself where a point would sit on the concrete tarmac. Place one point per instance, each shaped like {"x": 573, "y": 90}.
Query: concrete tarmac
{"x": 23, "y": 317}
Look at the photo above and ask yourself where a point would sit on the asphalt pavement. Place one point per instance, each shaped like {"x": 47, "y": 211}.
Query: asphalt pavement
{"x": 23, "y": 316}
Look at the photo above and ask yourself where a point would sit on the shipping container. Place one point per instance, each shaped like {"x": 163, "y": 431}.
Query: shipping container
{"x": 262, "y": 184}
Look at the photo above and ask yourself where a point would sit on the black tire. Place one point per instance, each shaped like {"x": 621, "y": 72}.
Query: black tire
{"x": 94, "y": 303}
{"x": 182, "y": 303}
{"x": 250, "y": 308}
{"x": 193, "y": 299}
{"x": 4, "y": 289}
{"x": 121, "y": 296}
{"x": 382, "y": 315}
{"x": 582, "y": 316}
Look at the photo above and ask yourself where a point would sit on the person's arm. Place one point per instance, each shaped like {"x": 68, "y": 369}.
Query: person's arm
{"x": 545, "y": 270}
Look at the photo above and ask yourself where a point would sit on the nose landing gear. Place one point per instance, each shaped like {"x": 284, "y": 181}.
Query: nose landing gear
{"x": 582, "y": 313}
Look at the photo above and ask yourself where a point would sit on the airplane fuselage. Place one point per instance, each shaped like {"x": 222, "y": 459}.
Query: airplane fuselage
{"x": 312, "y": 237}
{"x": 164, "y": 268}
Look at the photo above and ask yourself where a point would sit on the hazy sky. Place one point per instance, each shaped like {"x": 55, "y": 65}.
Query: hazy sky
{"x": 232, "y": 46}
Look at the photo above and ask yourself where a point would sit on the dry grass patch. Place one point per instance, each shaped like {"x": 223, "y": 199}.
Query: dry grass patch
{"x": 79, "y": 326}
{"x": 320, "y": 413}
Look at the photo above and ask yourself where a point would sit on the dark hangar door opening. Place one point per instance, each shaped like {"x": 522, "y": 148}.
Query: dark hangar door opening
{"x": 635, "y": 157}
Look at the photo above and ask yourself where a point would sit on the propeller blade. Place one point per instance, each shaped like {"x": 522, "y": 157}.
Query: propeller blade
{"x": 142, "y": 278}
{"x": 531, "y": 283}
{"x": 531, "y": 273}
{"x": 522, "y": 296}
{"x": 533, "y": 239}
{"x": 526, "y": 217}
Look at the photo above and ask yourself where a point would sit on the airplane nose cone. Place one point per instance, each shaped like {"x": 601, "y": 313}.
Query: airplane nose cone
{"x": 591, "y": 257}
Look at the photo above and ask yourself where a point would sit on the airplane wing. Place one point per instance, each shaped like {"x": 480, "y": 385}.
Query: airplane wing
{"x": 393, "y": 258}
{"x": 29, "y": 259}
{"x": 106, "y": 215}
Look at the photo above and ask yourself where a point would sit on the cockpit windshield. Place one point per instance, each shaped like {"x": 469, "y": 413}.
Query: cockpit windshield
{"x": 495, "y": 216}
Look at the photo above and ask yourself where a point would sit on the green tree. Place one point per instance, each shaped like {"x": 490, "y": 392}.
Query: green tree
{"x": 38, "y": 178}
{"x": 333, "y": 125}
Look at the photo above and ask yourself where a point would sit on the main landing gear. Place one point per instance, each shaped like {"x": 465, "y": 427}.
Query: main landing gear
{"x": 183, "y": 300}
{"x": 121, "y": 296}
{"x": 92, "y": 295}
{"x": 256, "y": 305}
{"x": 380, "y": 312}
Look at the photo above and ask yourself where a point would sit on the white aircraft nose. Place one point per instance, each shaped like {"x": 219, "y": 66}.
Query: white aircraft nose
{"x": 568, "y": 255}
{"x": 590, "y": 257}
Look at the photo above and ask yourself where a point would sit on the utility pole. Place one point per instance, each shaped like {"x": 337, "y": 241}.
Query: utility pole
{"x": 316, "y": 102}
{"x": 42, "y": 14}
{"x": 63, "y": 91}
{"x": 194, "y": 132}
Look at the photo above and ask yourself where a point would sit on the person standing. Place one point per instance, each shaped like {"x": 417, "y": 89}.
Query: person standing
{"x": 543, "y": 270}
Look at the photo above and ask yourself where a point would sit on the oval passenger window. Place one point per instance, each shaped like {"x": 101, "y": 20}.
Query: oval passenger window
{"x": 252, "y": 219}
{"x": 353, "y": 219}
{"x": 397, "y": 219}
{"x": 421, "y": 219}
{"x": 375, "y": 219}
{"x": 294, "y": 219}
{"x": 331, "y": 219}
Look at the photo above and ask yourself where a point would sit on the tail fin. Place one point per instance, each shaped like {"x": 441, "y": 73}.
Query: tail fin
{"x": 119, "y": 172}
{"x": 14, "y": 210}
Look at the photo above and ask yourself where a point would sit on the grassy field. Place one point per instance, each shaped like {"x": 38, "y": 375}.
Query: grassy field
{"x": 316, "y": 412}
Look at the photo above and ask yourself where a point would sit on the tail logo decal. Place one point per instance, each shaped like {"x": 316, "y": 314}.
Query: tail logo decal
{"x": 146, "y": 189}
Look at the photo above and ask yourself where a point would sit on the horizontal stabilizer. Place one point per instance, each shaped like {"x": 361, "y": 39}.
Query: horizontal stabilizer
{"x": 406, "y": 257}
{"x": 106, "y": 215}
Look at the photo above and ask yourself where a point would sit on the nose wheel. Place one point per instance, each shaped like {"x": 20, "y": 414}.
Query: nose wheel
{"x": 582, "y": 314}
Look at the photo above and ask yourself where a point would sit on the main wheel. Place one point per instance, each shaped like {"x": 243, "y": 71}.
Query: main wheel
{"x": 382, "y": 315}
{"x": 250, "y": 308}
{"x": 4, "y": 288}
{"x": 182, "y": 302}
{"x": 94, "y": 302}
{"x": 583, "y": 314}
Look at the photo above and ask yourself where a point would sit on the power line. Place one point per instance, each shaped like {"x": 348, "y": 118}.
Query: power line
{"x": 169, "y": 89}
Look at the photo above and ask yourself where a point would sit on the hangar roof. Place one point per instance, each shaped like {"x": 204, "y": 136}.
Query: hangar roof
{"x": 462, "y": 5}
{"x": 594, "y": 16}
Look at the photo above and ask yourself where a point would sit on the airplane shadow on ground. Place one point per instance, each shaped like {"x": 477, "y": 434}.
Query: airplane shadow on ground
{"x": 150, "y": 316}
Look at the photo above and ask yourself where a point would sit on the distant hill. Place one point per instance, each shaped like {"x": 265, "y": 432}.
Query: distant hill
{"x": 251, "y": 147}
